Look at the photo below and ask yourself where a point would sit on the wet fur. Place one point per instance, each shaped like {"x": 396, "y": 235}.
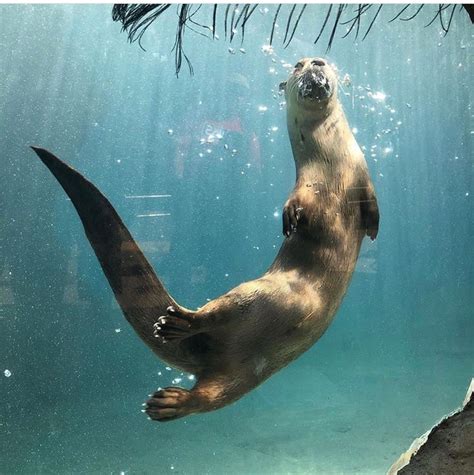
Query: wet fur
{"x": 235, "y": 342}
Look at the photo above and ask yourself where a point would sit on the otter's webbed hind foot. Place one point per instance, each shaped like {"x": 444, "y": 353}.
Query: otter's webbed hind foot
{"x": 207, "y": 395}
{"x": 176, "y": 325}
{"x": 169, "y": 404}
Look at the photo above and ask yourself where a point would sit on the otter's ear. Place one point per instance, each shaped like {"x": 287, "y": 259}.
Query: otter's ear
{"x": 282, "y": 86}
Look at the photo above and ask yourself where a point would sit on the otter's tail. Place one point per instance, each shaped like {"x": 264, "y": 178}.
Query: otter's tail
{"x": 137, "y": 289}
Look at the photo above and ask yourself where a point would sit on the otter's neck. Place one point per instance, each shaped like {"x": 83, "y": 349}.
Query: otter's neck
{"x": 322, "y": 143}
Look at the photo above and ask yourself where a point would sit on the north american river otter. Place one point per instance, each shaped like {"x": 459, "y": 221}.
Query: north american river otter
{"x": 235, "y": 342}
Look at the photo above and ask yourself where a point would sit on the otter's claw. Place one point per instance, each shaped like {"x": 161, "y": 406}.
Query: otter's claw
{"x": 177, "y": 325}
{"x": 291, "y": 216}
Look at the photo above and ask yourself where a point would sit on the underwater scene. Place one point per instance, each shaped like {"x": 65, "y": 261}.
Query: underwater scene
{"x": 196, "y": 135}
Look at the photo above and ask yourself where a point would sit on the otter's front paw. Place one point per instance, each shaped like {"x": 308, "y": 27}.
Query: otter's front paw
{"x": 291, "y": 215}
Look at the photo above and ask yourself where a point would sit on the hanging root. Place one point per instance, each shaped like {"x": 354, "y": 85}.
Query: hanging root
{"x": 137, "y": 18}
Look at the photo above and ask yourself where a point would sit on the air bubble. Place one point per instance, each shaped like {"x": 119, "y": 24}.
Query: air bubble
{"x": 267, "y": 49}
{"x": 378, "y": 96}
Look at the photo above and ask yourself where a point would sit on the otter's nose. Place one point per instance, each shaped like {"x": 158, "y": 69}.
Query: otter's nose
{"x": 318, "y": 62}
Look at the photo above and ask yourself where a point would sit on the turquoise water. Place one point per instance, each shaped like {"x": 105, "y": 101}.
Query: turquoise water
{"x": 73, "y": 373}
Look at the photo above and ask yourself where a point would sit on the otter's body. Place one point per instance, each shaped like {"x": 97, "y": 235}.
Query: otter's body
{"x": 235, "y": 342}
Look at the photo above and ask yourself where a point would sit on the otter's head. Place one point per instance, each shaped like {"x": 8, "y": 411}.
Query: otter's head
{"x": 312, "y": 86}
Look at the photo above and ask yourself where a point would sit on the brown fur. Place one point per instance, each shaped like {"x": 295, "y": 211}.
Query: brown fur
{"x": 235, "y": 342}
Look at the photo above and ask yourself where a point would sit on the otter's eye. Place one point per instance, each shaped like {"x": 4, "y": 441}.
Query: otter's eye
{"x": 318, "y": 62}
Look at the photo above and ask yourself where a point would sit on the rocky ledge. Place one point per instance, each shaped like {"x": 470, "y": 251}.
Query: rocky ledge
{"x": 447, "y": 448}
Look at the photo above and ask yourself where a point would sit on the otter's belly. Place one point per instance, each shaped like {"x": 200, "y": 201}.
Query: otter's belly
{"x": 283, "y": 318}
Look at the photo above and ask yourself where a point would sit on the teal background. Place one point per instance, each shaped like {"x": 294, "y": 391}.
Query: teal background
{"x": 398, "y": 356}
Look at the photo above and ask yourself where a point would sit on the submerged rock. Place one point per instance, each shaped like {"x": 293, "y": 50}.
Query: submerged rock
{"x": 447, "y": 448}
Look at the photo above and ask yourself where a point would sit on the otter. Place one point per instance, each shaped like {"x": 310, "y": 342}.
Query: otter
{"x": 235, "y": 342}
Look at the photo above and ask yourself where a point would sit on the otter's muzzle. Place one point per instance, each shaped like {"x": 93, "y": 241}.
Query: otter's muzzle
{"x": 314, "y": 85}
